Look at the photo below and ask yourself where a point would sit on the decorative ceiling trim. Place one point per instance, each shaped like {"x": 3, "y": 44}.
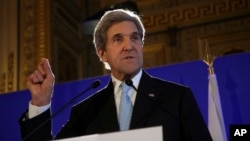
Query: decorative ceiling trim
{"x": 195, "y": 14}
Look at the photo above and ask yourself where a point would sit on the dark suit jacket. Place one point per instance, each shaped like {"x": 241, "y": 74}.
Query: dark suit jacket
{"x": 158, "y": 103}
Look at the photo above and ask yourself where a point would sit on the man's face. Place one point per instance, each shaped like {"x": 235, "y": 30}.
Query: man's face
{"x": 123, "y": 50}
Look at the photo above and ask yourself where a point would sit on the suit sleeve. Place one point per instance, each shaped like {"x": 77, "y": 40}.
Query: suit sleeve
{"x": 70, "y": 129}
{"x": 36, "y": 128}
{"x": 194, "y": 126}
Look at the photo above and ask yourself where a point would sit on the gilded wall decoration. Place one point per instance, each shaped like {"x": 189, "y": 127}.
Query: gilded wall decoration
{"x": 186, "y": 15}
{"x": 34, "y": 36}
{"x": 10, "y": 75}
{"x": 223, "y": 33}
{"x": 52, "y": 29}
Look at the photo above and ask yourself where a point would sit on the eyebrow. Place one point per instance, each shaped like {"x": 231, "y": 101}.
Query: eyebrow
{"x": 120, "y": 34}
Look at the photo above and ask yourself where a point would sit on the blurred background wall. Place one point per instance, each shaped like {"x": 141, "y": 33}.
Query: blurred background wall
{"x": 61, "y": 30}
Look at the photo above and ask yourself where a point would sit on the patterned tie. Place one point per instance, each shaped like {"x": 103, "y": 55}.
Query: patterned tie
{"x": 125, "y": 108}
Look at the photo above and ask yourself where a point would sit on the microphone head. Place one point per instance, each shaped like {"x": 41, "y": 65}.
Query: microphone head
{"x": 95, "y": 84}
{"x": 129, "y": 82}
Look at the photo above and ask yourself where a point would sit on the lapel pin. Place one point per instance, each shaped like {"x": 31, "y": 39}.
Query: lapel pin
{"x": 151, "y": 95}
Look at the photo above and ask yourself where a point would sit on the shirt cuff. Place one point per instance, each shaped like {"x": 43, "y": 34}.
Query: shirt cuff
{"x": 37, "y": 110}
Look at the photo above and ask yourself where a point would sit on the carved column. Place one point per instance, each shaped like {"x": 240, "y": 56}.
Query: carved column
{"x": 8, "y": 46}
{"x": 34, "y": 36}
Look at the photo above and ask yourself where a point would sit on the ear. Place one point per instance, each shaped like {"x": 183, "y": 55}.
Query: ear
{"x": 102, "y": 55}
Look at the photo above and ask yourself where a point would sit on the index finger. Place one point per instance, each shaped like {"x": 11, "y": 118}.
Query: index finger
{"x": 46, "y": 68}
{"x": 40, "y": 66}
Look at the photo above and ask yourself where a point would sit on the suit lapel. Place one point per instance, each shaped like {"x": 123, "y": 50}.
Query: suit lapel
{"x": 107, "y": 115}
{"x": 145, "y": 102}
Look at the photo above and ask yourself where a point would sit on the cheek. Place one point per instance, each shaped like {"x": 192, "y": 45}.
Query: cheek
{"x": 112, "y": 57}
{"x": 141, "y": 59}
{"x": 140, "y": 52}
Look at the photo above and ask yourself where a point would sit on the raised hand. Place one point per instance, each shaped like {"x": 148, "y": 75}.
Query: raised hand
{"x": 41, "y": 83}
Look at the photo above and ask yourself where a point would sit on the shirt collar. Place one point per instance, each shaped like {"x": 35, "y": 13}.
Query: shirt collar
{"x": 135, "y": 80}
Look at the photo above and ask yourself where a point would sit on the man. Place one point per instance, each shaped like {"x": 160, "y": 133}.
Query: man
{"x": 118, "y": 40}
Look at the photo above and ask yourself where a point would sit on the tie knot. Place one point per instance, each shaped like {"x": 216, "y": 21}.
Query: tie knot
{"x": 124, "y": 87}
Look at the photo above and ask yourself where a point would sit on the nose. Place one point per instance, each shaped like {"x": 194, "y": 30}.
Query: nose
{"x": 128, "y": 45}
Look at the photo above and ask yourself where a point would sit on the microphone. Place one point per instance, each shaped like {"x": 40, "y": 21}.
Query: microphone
{"x": 93, "y": 85}
{"x": 130, "y": 83}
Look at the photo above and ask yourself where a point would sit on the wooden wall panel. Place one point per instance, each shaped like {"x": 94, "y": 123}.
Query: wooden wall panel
{"x": 53, "y": 29}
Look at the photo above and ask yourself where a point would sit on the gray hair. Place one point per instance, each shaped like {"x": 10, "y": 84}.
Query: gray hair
{"x": 111, "y": 17}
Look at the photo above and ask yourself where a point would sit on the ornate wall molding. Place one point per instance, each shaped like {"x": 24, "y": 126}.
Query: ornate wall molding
{"x": 155, "y": 54}
{"x": 2, "y": 83}
{"x": 52, "y": 29}
{"x": 8, "y": 46}
{"x": 11, "y": 72}
{"x": 234, "y": 31}
{"x": 34, "y": 36}
{"x": 193, "y": 14}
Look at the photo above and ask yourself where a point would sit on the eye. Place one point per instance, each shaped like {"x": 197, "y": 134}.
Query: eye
{"x": 135, "y": 38}
{"x": 117, "y": 39}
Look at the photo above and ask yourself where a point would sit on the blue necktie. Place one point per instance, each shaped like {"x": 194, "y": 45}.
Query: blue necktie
{"x": 125, "y": 108}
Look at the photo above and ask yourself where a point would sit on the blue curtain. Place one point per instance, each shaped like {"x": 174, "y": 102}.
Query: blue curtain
{"x": 233, "y": 76}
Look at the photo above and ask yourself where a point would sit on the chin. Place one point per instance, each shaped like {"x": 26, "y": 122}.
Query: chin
{"x": 132, "y": 71}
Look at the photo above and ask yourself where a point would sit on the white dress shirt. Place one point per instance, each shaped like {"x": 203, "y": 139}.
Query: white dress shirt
{"x": 118, "y": 91}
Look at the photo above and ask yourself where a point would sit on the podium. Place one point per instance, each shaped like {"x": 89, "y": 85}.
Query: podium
{"x": 144, "y": 134}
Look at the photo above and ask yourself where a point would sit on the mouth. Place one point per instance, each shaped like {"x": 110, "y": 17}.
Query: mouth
{"x": 128, "y": 57}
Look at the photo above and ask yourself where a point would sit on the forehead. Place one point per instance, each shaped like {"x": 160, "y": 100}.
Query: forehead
{"x": 123, "y": 28}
